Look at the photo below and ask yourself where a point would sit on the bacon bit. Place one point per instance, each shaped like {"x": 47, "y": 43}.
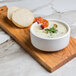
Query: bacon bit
{"x": 45, "y": 24}
{"x": 42, "y": 26}
{"x": 38, "y": 20}
{"x": 43, "y": 21}
{"x": 55, "y": 25}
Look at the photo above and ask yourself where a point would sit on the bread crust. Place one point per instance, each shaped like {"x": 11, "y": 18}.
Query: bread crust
{"x": 18, "y": 25}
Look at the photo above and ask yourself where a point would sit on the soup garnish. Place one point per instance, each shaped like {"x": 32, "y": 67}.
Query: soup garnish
{"x": 49, "y": 29}
{"x": 44, "y": 22}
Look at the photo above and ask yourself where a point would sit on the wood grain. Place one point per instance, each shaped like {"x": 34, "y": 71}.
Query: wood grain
{"x": 51, "y": 61}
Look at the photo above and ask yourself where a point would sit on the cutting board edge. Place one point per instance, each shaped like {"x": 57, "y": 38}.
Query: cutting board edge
{"x": 63, "y": 63}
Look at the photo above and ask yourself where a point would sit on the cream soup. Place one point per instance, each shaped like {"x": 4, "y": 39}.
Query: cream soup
{"x": 60, "y": 30}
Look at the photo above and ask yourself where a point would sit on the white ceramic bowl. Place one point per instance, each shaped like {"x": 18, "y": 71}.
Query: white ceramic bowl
{"x": 53, "y": 44}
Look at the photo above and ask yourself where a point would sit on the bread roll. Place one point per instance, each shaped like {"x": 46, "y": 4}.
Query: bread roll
{"x": 10, "y": 11}
{"x": 22, "y": 17}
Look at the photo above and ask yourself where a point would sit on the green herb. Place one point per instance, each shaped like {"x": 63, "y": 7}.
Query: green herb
{"x": 51, "y": 30}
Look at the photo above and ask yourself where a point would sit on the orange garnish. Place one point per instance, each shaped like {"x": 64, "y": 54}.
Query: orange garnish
{"x": 38, "y": 20}
{"x": 43, "y": 21}
{"x": 45, "y": 24}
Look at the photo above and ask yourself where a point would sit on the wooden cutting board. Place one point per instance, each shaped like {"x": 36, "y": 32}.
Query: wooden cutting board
{"x": 51, "y": 61}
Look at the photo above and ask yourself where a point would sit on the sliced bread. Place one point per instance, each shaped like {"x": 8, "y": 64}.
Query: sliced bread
{"x": 10, "y": 11}
{"x": 22, "y": 17}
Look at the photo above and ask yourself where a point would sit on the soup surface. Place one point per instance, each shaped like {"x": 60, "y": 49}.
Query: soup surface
{"x": 54, "y": 30}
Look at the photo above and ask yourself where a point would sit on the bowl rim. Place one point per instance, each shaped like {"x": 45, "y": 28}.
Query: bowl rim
{"x": 67, "y": 25}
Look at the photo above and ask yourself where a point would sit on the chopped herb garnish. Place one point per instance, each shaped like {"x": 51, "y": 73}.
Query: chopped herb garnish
{"x": 51, "y": 30}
